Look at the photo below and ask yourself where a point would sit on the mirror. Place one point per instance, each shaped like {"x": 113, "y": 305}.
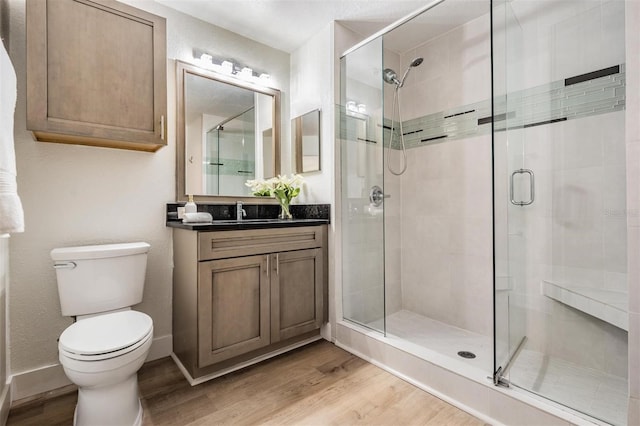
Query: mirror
{"x": 305, "y": 131}
{"x": 228, "y": 132}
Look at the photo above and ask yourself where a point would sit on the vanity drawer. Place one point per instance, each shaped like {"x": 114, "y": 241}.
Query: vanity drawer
{"x": 225, "y": 244}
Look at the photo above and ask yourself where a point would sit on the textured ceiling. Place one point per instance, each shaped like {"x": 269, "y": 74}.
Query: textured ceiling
{"x": 288, "y": 24}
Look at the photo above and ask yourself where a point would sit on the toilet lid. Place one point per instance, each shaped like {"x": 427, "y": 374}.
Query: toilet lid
{"x": 105, "y": 333}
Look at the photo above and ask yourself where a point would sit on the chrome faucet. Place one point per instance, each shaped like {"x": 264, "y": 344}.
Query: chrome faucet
{"x": 240, "y": 212}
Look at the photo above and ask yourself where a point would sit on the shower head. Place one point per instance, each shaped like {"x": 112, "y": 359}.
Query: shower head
{"x": 390, "y": 77}
{"x": 416, "y": 62}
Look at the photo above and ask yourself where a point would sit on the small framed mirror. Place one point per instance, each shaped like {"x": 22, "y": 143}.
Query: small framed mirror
{"x": 228, "y": 132}
{"x": 305, "y": 131}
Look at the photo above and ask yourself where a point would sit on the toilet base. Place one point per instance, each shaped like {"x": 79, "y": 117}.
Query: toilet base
{"x": 116, "y": 405}
{"x": 138, "y": 421}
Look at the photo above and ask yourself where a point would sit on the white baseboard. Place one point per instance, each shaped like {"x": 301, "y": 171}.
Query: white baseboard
{"x": 45, "y": 379}
{"x": 194, "y": 382}
{"x": 161, "y": 347}
{"x": 37, "y": 381}
{"x": 5, "y": 402}
{"x": 326, "y": 332}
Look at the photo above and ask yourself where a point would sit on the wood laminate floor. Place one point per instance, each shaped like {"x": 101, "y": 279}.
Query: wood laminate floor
{"x": 319, "y": 384}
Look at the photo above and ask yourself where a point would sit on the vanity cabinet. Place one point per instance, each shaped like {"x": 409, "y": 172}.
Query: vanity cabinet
{"x": 233, "y": 307}
{"x": 240, "y": 296}
{"x": 96, "y": 74}
{"x": 296, "y": 293}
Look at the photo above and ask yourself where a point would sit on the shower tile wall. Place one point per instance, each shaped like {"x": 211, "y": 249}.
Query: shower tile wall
{"x": 446, "y": 213}
{"x": 576, "y": 229}
{"x": 447, "y": 233}
{"x": 575, "y": 236}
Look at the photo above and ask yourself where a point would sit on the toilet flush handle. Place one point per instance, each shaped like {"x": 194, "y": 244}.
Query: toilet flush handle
{"x": 65, "y": 265}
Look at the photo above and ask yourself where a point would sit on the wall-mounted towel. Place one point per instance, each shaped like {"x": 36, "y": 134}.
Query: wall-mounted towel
{"x": 11, "y": 214}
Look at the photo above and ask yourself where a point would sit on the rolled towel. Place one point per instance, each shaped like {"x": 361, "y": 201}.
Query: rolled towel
{"x": 199, "y": 217}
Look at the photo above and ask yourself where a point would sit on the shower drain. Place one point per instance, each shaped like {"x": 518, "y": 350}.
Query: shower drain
{"x": 467, "y": 354}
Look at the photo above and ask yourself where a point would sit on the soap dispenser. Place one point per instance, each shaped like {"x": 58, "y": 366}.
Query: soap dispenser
{"x": 190, "y": 207}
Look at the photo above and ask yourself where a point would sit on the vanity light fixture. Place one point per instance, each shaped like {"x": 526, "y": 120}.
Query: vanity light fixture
{"x": 356, "y": 109}
{"x": 246, "y": 73}
{"x": 229, "y": 68}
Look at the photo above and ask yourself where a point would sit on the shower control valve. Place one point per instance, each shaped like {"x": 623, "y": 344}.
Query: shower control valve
{"x": 376, "y": 196}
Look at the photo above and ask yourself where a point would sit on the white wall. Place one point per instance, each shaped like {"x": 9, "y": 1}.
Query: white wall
{"x": 312, "y": 88}
{"x": 83, "y": 195}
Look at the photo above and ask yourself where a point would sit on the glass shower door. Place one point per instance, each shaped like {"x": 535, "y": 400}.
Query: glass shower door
{"x": 361, "y": 148}
{"x": 561, "y": 299}
{"x": 514, "y": 189}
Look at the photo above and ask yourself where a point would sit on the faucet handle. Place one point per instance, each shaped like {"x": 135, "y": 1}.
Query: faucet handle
{"x": 240, "y": 211}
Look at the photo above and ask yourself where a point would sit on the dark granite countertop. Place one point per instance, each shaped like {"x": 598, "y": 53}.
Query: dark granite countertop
{"x": 230, "y": 225}
{"x": 259, "y": 216}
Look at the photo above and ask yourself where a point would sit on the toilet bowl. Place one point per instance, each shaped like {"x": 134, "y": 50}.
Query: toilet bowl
{"x": 102, "y": 351}
{"x": 102, "y": 355}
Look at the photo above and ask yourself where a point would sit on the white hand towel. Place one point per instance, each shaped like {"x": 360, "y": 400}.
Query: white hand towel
{"x": 11, "y": 213}
{"x": 199, "y": 217}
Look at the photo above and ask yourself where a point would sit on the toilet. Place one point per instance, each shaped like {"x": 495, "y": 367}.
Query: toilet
{"x": 104, "y": 349}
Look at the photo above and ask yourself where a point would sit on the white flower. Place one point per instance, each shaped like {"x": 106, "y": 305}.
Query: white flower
{"x": 260, "y": 187}
{"x": 284, "y": 188}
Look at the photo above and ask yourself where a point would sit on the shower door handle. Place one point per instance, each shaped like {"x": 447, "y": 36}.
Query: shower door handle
{"x": 532, "y": 187}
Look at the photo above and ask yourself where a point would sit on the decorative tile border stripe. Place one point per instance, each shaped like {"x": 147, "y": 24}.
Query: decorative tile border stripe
{"x": 592, "y": 75}
{"x": 597, "y": 92}
{"x": 581, "y": 96}
{"x": 451, "y": 124}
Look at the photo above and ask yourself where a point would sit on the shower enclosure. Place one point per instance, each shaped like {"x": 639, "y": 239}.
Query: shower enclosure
{"x": 501, "y": 249}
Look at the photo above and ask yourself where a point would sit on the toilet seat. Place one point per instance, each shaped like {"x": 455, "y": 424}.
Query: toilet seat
{"x": 106, "y": 336}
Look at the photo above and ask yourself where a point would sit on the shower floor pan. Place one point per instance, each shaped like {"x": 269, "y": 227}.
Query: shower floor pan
{"x": 595, "y": 393}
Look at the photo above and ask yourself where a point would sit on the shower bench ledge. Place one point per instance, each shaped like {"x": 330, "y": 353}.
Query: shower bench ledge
{"x": 608, "y": 305}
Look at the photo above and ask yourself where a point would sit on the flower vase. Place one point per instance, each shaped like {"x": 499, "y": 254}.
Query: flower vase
{"x": 285, "y": 214}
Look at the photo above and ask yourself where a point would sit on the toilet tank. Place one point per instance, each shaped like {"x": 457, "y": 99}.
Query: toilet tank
{"x": 100, "y": 278}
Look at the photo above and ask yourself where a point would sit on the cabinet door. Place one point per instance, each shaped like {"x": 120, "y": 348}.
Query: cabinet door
{"x": 297, "y": 279}
{"x": 96, "y": 74}
{"x": 233, "y": 308}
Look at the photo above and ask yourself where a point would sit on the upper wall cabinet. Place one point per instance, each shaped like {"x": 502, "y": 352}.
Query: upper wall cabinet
{"x": 96, "y": 74}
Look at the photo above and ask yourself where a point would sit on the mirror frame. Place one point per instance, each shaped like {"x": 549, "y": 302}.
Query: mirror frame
{"x": 184, "y": 68}
{"x": 297, "y": 137}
